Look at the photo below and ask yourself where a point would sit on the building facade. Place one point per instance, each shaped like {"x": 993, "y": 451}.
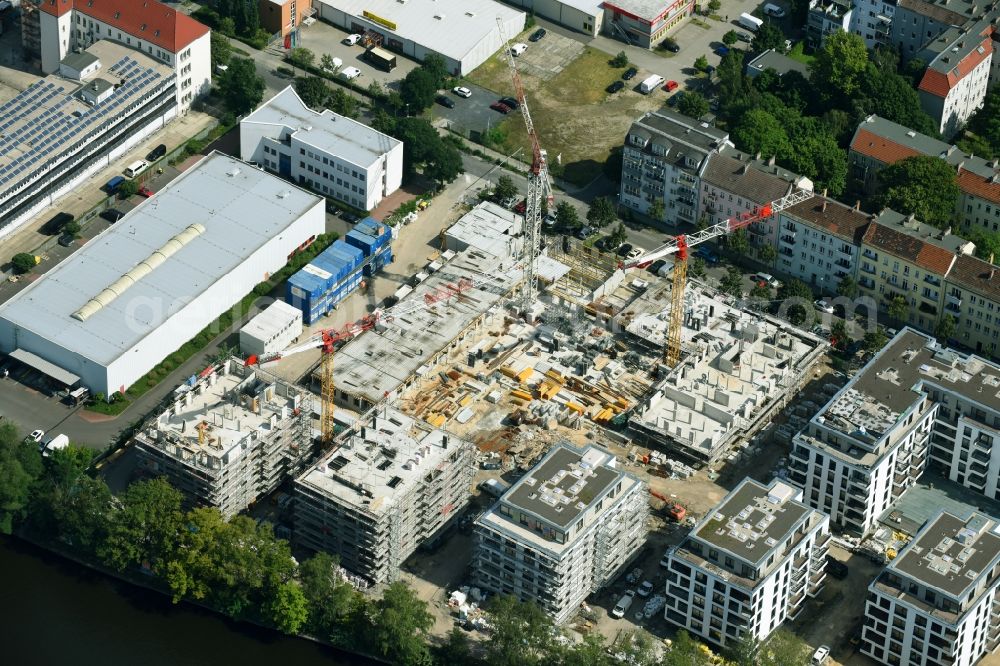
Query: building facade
{"x": 662, "y": 162}
{"x": 954, "y": 84}
{"x": 826, "y": 17}
{"x": 586, "y": 16}
{"x": 563, "y": 531}
{"x": 748, "y": 565}
{"x": 271, "y": 331}
{"x": 283, "y": 16}
{"x": 643, "y": 23}
{"x": 937, "y": 601}
{"x": 390, "y": 485}
{"x": 916, "y": 22}
{"x": 872, "y": 21}
{"x": 330, "y": 154}
{"x": 157, "y": 30}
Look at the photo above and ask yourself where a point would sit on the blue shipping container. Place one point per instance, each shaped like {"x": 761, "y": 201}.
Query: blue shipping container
{"x": 348, "y": 252}
{"x": 364, "y": 242}
{"x": 374, "y": 228}
{"x": 333, "y": 266}
{"x": 379, "y": 261}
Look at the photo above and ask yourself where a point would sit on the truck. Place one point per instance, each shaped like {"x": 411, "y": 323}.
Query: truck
{"x": 650, "y": 84}
{"x": 111, "y": 187}
{"x": 749, "y": 22}
{"x": 60, "y": 441}
{"x": 381, "y": 58}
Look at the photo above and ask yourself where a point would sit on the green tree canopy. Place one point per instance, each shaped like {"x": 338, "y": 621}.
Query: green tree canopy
{"x": 875, "y": 340}
{"x": 314, "y": 91}
{"x": 701, "y": 63}
{"x": 839, "y": 67}
{"x": 288, "y": 608}
{"x": 693, "y": 104}
{"x": 399, "y": 625}
{"x": 240, "y": 86}
{"x": 567, "y": 217}
{"x": 145, "y": 528}
{"x": 730, "y": 38}
{"x": 522, "y": 633}
{"x": 985, "y": 123}
{"x": 23, "y": 262}
{"x": 924, "y": 186}
{"x": 656, "y": 209}
{"x": 760, "y": 132}
{"x": 222, "y": 50}
{"x": 505, "y": 188}
{"x": 899, "y": 309}
{"x": 732, "y": 282}
{"x": 418, "y": 89}
{"x": 945, "y": 328}
{"x": 301, "y": 57}
{"x": 332, "y": 602}
{"x": 617, "y": 236}
{"x": 601, "y": 212}
{"x": 847, "y": 287}
{"x": 20, "y": 465}
{"x": 769, "y": 36}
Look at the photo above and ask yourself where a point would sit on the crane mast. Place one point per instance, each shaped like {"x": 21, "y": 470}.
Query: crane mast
{"x": 538, "y": 184}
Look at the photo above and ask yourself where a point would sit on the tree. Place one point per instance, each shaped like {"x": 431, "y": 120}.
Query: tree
{"x": 839, "y": 66}
{"x": 744, "y": 651}
{"x": 71, "y": 229}
{"x": 768, "y": 254}
{"x": 696, "y": 268}
{"x": 617, "y": 237}
{"x": 986, "y": 121}
{"x": 620, "y": 60}
{"x": 796, "y": 300}
{"x": 240, "y": 86}
{"x": 738, "y": 243}
{"x": 847, "y": 287}
{"x": 685, "y": 651}
{"x": 80, "y": 513}
{"x": 945, "y": 328}
{"x": 313, "y": 90}
{"x": 434, "y": 65}
{"x": 221, "y": 49}
{"x": 399, "y": 624}
{"x": 418, "y": 89}
{"x": 20, "y": 465}
{"x": 891, "y": 96}
{"x": 128, "y": 189}
{"x": 327, "y": 65}
{"x": 839, "y": 334}
{"x": 456, "y": 649}
{"x": 144, "y": 529}
{"x": 914, "y": 70}
{"x": 760, "y": 295}
{"x": 924, "y": 186}
{"x": 522, "y": 632}
{"x": 875, "y": 340}
{"x": 424, "y": 147}
{"x": 987, "y": 243}
{"x": 601, "y": 212}
{"x": 288, "y": 608}
{"x": 301, "y": 57}
{"x": 732, "y": 282}
{"x": 701, "y": 63}
{"x": 769, "y": 36}
{"x": 342, "y": 102}
{"x": 567, "y": 217}
{"x": 783, "y": 648}
{"x": 444, "y": 163}
{"x": 898, "y": 308}
{"x": 693, "y": 104}
{"x": 656, "y": 210}
{"x": 227, "y": 26}
{"x": 760, "y": 132}
{"x": 714, "y": 5}
{"x": 505, "y": 188}
{"x": 730, "y": 38}
{"x": 331, "y": 601}
{"x": 23, "y": 262}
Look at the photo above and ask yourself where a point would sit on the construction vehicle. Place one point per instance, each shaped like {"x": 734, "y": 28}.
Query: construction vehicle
{"x": 678, "y": 247}
{"x": 538, "y": 183}
{"x": 674, "y": 510}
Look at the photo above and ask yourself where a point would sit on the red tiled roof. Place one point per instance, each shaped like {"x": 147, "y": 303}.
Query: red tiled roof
{"x": 880, "y": 148}
{"x": 976, "y": 185}
{"x": 978, "y": 275}
{"x": 836, "y": 218}
{"x": 927, "y": 256}
{"x": 149, "y": 20}
{"x": 938, "y": 83}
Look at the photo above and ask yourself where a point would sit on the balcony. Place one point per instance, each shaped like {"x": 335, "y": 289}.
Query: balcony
{"x": 843, "y": 263}
{"x": 867, "y": 283}
{"x": 980, "y": 456}
{"x": 786, "y": 252}
{"x": 867, "y": 268}
{"x": 927, "y": 308}
{"x": 871, "y": 255}
{"x": 788, "y": 239}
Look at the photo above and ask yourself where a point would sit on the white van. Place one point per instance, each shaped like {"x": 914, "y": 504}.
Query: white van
{"x": 750, "y": 22}
{"x": 518, "y": 49}
{"x": 651, "y": 84}
{"x": 137, "y": 167}
{"x": 60, "y": 441}
{"x": 774, "y": 10}
{"x": 623, "y": 605}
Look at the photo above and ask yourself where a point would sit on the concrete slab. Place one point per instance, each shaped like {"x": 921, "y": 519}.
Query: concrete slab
{"x": 932, "y": 494}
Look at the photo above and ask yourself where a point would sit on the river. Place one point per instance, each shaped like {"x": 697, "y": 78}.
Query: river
{"x": 55, "y": 612}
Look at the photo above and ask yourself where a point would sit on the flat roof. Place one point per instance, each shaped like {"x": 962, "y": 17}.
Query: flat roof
{"x": 951, "y": 554}
{"x": 79, "y": 61}
{"x": 590, "y": 7}
{"x": 451, "y": 27}
{"x": 225, "y": 210}
{"x": 564, "y": 484}
{"x": 647, "y": 9}
{"x": 488, "y": 227}
{"x": 753, "y": 520}
{"x": 378, "y": 466}
{"x": 779, "y": 62}
{"x": 928, "y": 497}
{"x": 274, "y": 317}
{"x": 49, "y": 121}
{"x": 43, "y": 366}
{"x": 326, "y": 131}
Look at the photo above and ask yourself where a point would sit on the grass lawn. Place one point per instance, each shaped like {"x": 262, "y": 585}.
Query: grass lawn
{"x": 797, "y": 53}
{"x": 573, "y": 114}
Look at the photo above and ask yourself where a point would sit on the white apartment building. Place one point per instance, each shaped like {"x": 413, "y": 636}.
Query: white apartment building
{"x": 819, "y": 242}
{"x": 663, "y": 158}
{"x": 60, "y": 130}
{"x": 872, "y": 21}
{"x": 954, "y": 85}
{"x": 937, "y": 601}
{"x": 324, "y": 151}
{"x": 157, "y": 30}
{"x": 562, "y": 531}
{"x": 748, "y": 565}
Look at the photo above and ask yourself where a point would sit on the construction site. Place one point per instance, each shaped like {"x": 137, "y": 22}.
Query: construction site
{"x": 231, "y": 436}
{"x": 388, "y": 485}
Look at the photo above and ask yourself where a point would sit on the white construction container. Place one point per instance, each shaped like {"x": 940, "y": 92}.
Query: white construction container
{"x": 272, "y": 330}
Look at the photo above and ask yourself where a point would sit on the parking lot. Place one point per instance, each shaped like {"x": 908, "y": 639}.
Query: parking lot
{"x": 322, "y": 38}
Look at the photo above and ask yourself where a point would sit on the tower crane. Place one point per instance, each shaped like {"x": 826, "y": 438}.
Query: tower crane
{"x": 678, "y": 246}
{"x": 327, "y": 340}
{"x": 538, "y": 183}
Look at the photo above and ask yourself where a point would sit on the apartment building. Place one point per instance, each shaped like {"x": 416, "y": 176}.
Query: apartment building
{"x": 283, "y": 16}
{"x": 391, "y": 484}
{"x": 329, "y": 153}
{"x": 916, "y": 22}
{"x": 878, "y": 142}
{"x": 57, "y": 132}
{"x": 563, "y": 531}
{"x": 872, "y": 21}
{"x": 870, "y": 442}
{"x": 230, "y": 438}
{"x": 157, "y": 30}
{"x": 819, "y": 242}
{"x": 937, "y": 601}
{"x": 664, "y": 155}
{"x": 749, "y": 565}
{"x": 953, "y": 86}
{"x": 734, "y": 184}
{"x": 972, "y": 298}
{"x": 826, "y": 17}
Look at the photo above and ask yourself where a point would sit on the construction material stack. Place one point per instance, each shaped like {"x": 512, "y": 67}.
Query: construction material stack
{"x": 325, "y": 281}
{"x": 374, "y": 239}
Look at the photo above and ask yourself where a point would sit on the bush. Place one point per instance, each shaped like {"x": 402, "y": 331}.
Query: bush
{"x": 128, "y": 189}
{"x": 23, "y": 262}
{"x": 620, "y": 60}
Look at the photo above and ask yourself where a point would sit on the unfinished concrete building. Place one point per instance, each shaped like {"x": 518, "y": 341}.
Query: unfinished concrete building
{"x": 391, "y": 484}
{"x": 563, "y": 531}
{"x": 229, "y": 438}
{"x": 739, "y": 370}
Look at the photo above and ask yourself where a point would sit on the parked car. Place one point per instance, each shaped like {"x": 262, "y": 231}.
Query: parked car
{"x": 655, "y": 267}
{"x": 721, "y": 51}
{"x": 635, "y": 253}
{"x": 744, "y": 36}
{"x": 634, "y": 577}
{"x": 112, "y": 215}
{"x": 674, "y": 99}
{"x": 462, "y": 91}
{"x": 156, "y": 153}
{"x": 765, "y": 278}
{"x": 66, "y": 240}
{"x": 36, "y": 435}
{"x": 623, "y": 605}
{"x": 445, "y": 102}
{"x": 521, "y": 207}
{"x": 820, "y": 656}
{"x": 630, "y": 73}
{"x": 671, "y": 86}
{"x": 349, "y": 217}
{"x": 501, "y": 107}
{"x": 351, "y": 40}
{"x": 624, "y": 249}
{"x": 671, "y": 45}
{"x": 145, "y": 192}
{"x": 536, "y": 35}
{"x": 645, "y": 589}
{"x": 518, "y": 49}
{"x": 707, "y": 254}
{"x": 585, "y": 233}
{"x": 615, "y": 87}
{"x": 510, "y": 102}
{"x": 823, "y": 306}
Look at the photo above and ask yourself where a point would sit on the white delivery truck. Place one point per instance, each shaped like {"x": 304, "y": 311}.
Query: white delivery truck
{"x": 750, "y": 22}
{"x": 60, "y": 441}
{"x": 651, "y": 84}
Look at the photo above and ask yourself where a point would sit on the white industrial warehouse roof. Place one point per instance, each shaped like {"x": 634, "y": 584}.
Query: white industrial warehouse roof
{"x": 237, "y": 208}
{"x": 327, "y": 131}
{"x": 589, "y": 7}
{"x": 449, "y": 27}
